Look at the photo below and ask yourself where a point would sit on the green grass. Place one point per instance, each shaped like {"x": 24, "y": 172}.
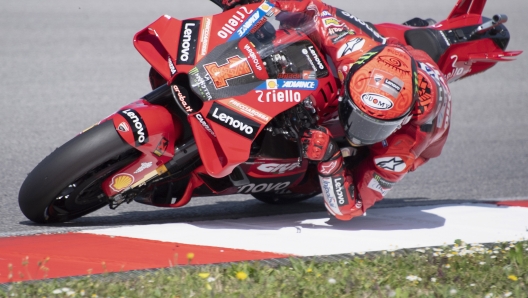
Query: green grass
{"x": 461, "y": 270}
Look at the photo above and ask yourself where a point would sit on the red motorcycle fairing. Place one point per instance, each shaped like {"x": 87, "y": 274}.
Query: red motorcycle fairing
{"x": 214, "y": 53}
{"x": 248, "y": 100}
{"x": 169, "y": 55}
{"x": 270, "y": 167}
{"x": 151, "y": 130}
{"x": 224, "y": 129}
{"x": 262, "y": 175}
{"x": 273, "y": 175}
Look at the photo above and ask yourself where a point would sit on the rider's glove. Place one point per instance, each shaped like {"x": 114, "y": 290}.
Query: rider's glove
{"x": 340, "y": 196}
{"x": 318, "y": 144}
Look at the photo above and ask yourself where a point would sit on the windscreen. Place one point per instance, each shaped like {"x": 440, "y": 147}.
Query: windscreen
{"x": 267, "y": 49}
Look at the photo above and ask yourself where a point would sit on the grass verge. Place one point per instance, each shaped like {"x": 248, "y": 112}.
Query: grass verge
{"x": 460, "y": 270}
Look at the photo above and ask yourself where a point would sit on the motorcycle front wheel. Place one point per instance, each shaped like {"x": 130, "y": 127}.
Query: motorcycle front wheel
{"x": 67, "y": 183}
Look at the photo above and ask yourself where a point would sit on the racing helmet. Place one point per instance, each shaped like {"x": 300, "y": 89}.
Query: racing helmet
{"x": 380, "y": 93}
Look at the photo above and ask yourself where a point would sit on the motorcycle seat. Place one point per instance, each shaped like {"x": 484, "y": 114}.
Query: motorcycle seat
{"x": 428, "y": 40}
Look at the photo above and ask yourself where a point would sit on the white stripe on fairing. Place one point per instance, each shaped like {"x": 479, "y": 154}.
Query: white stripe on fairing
{"x": 311, "y": 234}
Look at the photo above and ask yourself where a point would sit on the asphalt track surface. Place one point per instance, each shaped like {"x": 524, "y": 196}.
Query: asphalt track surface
{"x": 65, "y": 64}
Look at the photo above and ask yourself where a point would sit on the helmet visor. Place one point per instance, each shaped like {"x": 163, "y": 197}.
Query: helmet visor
{"x": 362, "y": 129}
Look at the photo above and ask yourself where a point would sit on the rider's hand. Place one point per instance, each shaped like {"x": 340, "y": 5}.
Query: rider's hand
{"x": 318, "y": 144}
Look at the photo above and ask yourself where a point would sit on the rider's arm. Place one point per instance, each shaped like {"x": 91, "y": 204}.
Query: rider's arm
{"x": 349, "y": 192}
{"x": 412, "y": 145}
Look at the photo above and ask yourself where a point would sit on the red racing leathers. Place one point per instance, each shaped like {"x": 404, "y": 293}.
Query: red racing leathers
{"x": 351, "y": 189}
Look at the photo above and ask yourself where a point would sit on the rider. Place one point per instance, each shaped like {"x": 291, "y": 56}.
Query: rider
{"x": 394, "y": 107}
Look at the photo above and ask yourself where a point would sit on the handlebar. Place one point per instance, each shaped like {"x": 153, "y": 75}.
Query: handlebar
{"x": 494, "y": 22}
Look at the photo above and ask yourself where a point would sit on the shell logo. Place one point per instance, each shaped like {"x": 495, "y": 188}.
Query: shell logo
{"x": 271, "y": 84}
{"x": 265, "y": 7}
{"x": 121, "y": 181}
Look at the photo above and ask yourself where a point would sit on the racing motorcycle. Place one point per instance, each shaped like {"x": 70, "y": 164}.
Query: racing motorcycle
{"x": 232, "y": 95}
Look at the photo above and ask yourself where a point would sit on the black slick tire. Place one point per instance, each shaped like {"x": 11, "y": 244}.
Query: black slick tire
{"x": 67, "y": 183}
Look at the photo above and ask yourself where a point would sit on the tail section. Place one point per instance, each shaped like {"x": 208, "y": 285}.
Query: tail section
{"x": 464, "y": 7}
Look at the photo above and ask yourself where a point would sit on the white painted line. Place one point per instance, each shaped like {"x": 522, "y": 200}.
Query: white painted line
{"x": 311, "y": 234}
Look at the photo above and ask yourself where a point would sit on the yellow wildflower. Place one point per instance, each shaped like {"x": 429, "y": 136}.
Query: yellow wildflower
{"x": 203, "y": 275}
{"x": 512, "y": 277}
{"x": 241, "y": 275}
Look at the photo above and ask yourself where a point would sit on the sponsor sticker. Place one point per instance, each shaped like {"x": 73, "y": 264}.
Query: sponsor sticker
{"x": 377, "y": 101}
{"x": 172, "y": 68}
{"x": 313, "y": 58}
{"x": 342, "y": 35}
{"x": 359, "y": 202}
{"x": 188, "y": 42}
{"x": 294, "y": 76}
{"x": 204, "y": 124}
{"x": 392, "y": 163}
{"x": 144, "y": 166}
{"x": 121, "y": 181}
{"x": 309, "y": 75}
{"x": 258, "y": 25}
{"x": 386, "y": 82}
{"x": 274, "y": 84}
{"x": 161, "y": 147}
{"x": 327, "y": 187}
{"x": 245, "y": 109}
{"x": 339, "y": 190}
{"x": 380, "y": 185}
{"x": 263, "y": 187}
{"x": 231, "y": 25}
{"x": 328, "y": 168}
{"x": 205, "y": 36}
{"x": 278, "y": 96}
{"x": 271, "y": 84}
{"x": 123, "y": 127}
{"x": 325, "y": 14}
{"x": 233, "y": 121}
{"x": 139, "y": 129}
{"x": 266, "y": 7}
{"x": 248, "y": 24}
{"x": 255, "y": 19}
{"x": 199, "y": 83}
{"x": 331, "y": 21}
{"x": 392, "y": 86}
{"x": 351, "y": 46}
{"x": 305, "y": 75}
{"x": 182, "y": 98}
{"x": 252, "y": 56}
{"x": 278, "y": 168}
{"x": 234, "y": 68}
{"x": 337, "y": 30}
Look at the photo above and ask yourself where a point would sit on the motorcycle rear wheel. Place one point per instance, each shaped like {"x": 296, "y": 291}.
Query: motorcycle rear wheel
{"x": 67, "y": 183}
